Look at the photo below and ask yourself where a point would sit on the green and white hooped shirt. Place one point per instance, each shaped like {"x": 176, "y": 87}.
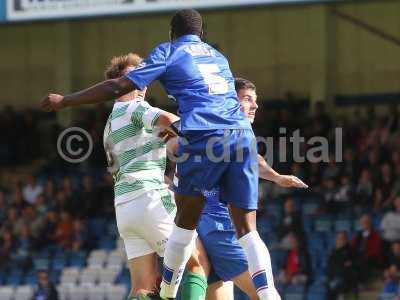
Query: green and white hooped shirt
{"x": 136, "y": 155}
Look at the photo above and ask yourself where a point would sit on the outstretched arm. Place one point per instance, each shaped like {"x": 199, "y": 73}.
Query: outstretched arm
{"x": 101, "y": 92}
{"x": 267, "y": 173}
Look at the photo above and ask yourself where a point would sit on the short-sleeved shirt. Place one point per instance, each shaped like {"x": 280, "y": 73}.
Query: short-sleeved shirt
{"x": 198, "y": 77}
{"x": 136, "y": 155}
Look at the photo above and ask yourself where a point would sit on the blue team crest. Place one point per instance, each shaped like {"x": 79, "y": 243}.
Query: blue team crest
{"x": 211, "y": 193}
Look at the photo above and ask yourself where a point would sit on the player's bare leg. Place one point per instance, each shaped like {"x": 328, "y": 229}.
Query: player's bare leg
{"x": 245, "y": 283}
{"x": 180, "y": 243}
{"x": 144, "y": 274}
{"x": 194, "y": 285}
{"x": 220, "y": 290}
{"x": 198, "y": 262}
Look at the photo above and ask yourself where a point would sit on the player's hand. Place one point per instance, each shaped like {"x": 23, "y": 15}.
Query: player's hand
{"x": 166, "y": 135}
{"x": 290, "y": 181}
{"x": 52, "y": 102}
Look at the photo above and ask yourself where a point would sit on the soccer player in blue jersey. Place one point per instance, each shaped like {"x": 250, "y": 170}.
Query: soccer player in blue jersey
{"x": 215, "y": 229}
{"x": 200, "y": 80}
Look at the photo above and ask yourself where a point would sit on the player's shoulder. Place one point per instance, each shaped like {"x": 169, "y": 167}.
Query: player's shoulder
{"x": 162, "y": 49}
{"x": 139, "y": 106}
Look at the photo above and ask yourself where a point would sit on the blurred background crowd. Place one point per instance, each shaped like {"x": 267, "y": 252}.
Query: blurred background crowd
{"x": 327, "y": 71}
{"x": 341, "y": 236}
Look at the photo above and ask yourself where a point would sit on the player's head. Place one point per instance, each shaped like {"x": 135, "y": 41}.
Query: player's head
{"x": 186, "y": 21}
{"x": 246, "y": 91}
{"x": 120, "y": 66}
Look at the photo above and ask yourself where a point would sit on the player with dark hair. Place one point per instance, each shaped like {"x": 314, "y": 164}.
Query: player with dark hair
{"x": 216, "y": 231}
{"x": 198, "y": 77}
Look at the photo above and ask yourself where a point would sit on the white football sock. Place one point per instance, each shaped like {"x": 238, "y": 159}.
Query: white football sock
{"x": 177, "y": 253}
{"x": 259, "y": 261}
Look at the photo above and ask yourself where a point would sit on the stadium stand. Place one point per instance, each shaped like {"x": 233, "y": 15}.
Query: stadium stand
{"x": 58, "y": 217}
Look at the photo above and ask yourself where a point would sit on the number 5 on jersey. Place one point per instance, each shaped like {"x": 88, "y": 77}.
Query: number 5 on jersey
{"x": 217, "y": 85}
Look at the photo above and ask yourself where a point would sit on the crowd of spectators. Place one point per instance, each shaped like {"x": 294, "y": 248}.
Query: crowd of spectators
{"x": 49, "y": 214}
{"x": 52, "y": 205}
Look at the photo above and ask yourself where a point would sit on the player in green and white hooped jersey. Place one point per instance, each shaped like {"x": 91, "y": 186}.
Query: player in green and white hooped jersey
{"x": 144, "y": 206}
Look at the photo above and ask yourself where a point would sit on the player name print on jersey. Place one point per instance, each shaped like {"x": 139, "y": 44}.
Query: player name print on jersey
{"x": 199, "y": 50}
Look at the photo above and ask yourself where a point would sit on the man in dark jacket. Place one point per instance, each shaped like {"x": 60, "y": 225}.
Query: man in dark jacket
{"x": 341, "y": 275}
{"x": 45, "y": 289}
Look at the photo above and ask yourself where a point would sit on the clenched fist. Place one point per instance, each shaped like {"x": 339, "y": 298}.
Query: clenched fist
{"x": 52, "y": 102}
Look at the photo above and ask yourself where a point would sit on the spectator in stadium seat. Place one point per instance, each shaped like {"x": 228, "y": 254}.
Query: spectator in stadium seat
{"x": 105, "y": 193}
{"x": 296, "y": 268}
{"x": 41, "y": 206}
{"x": 17, "y": 199}
{"x": 328, "y": 191}
{"x": 391, "y": 280}
{"x": 45, "y": 289}
{"x": 13, "y": 221}
{"x": 364, "y": 190}
{"x": 332, "y": 170}
{"x": 291, "y": 224}
{"x": 3, "y": 207}
{"x": 64, "y": 231}
{"x": 350, "y": 166}
{"x": 7, "y": 247}
{"x": 79, "y": 236}
{"x": 61, "y": 202}
{"x": 343, "y": 196}
{"x": 30, "y": 217}
{"x": 390, "y": 224}
{"x": 49, "y": 190}
{"x": 385, "y": 183}
{"x": 314, "y": 176}
{"x": 394, "y": 256}
{"x": 31, "y": 190}
{"x": 367, "y": 245}
{"x": 88, "y": 198}
{"x": 25, "y": 245}
{"x": 49, "y": 227}
{"x": 341, "y": 274}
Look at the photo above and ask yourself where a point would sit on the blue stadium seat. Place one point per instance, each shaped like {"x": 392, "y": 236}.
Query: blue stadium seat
{"x": 3, "y": 277}
{"x": 315, "y": 296}
{"x": 377, "y": 219}
{"x": 44, "y": 253}
{"x": 55, "y": 276}
{"x": 58, "y": 263}
{"x": 15, "y": 278}
{"x": 356, "y": 225}
{"x": 30, "y": 278}
{"x": 317, "y": 242}
{"x": 264, "y": 227}
{"x": 295, "y": 289}
{"x": 308, "y": 224}
{"x": 107, "y": 243}
{"x": 323, "y": 225}
{"x": 41, "y": 263}
{"x": 309, "y": 208}
{"x": 77, "y": 259}
{"x": 295, "y": 296}
{"x": 97, "y": 227}
{"x": 278, "y": 257}
{"x": 274, "y": 210}
{"x": 112, "y": 229}
{"x": 343, "y": 225}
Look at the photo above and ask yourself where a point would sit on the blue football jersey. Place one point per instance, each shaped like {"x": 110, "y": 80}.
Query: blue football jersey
{"x": 198, "y": 77}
